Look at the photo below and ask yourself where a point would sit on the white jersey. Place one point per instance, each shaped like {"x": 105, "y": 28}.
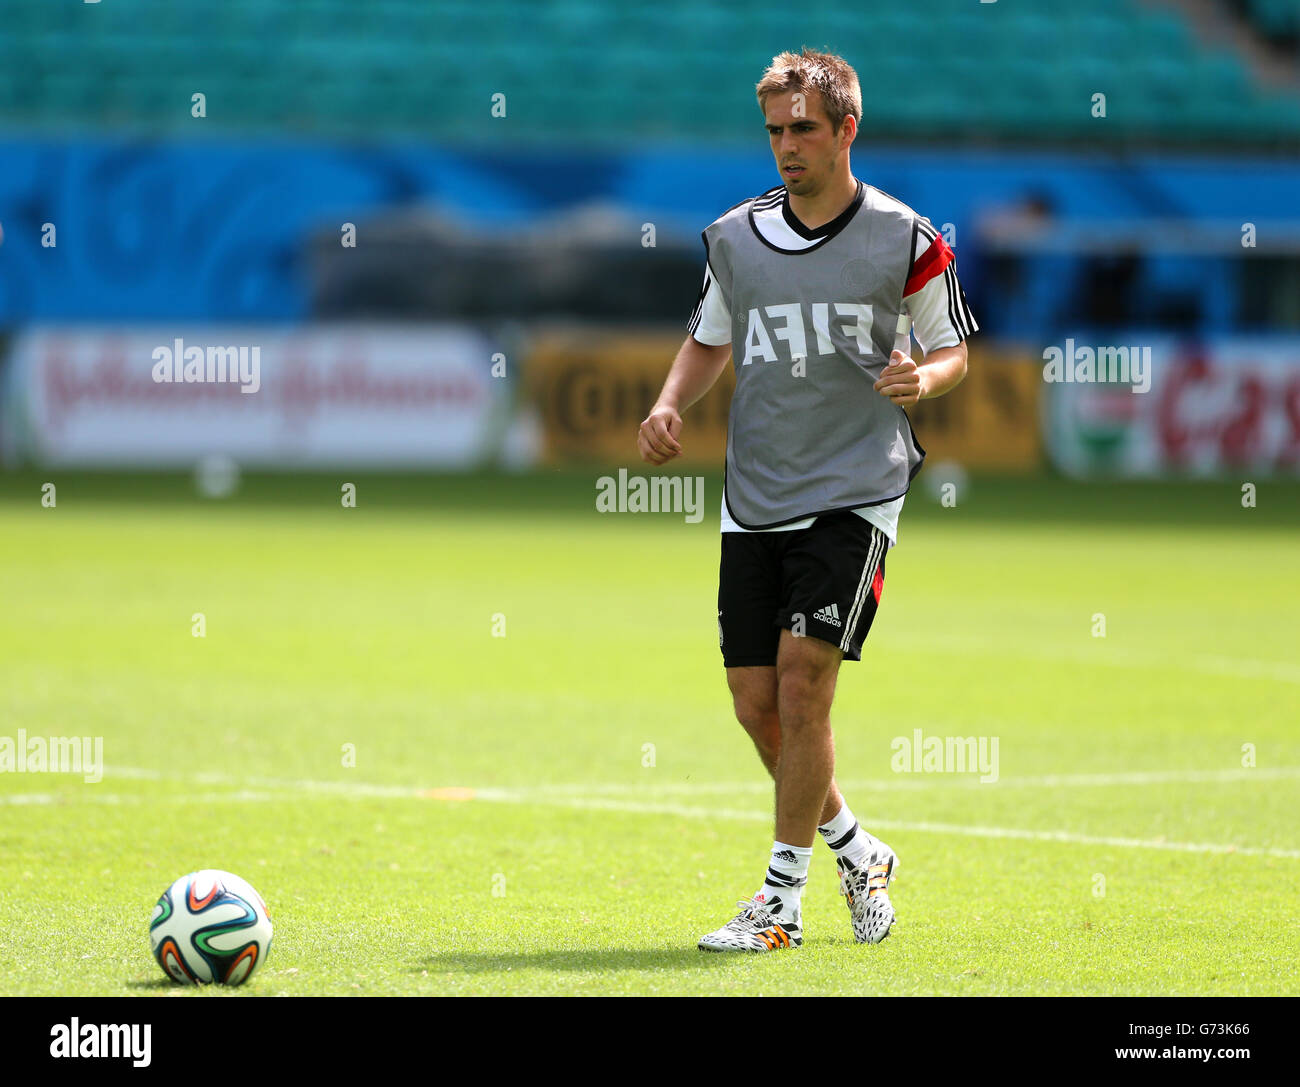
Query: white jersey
{"x": 935, "y": 313}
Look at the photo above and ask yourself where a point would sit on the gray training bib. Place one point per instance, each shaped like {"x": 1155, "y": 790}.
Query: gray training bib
{"x": 812, "y": 329}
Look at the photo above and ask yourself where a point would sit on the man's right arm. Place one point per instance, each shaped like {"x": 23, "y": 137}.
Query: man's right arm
{"x": 693, "y": 373}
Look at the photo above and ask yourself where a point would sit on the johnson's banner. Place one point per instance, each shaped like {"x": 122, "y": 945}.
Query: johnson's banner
{"x": 370, "y": 395}
{"x": 1164, "y": 406}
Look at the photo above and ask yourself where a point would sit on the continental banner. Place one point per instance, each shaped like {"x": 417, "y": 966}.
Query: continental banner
{"x": 592, "y": 388}
{"x": 990, "y": 420}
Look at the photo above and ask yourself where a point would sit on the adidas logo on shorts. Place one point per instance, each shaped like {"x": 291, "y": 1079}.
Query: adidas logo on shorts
{"x": 829, "y": 614}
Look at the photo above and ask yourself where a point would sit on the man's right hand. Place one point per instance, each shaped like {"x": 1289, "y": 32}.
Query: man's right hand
{"x": 656, "y": 440}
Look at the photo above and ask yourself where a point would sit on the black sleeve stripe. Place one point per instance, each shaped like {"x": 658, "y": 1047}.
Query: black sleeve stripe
{"x": 749, "y": 199}
{"x": 959, "y": 314}
{"x": 965, "y": 323}
{"x": 954, "y": 294}
{"x": 961, "y": 324}
{"x": 698, "y": 312}
{"x": 953, "y": 288}
{"x": 970, "y": 317}
{"x": 911, "y": 258}
{"x": 964, "y": 307}
{"x": 954, "y": 307}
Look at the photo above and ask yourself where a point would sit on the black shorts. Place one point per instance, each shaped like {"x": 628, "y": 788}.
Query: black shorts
{"x": 823, "y": 581}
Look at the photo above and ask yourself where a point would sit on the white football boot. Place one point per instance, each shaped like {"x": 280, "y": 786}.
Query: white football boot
{"x": 755, "y": 928}
{"x": 866, "y": 892}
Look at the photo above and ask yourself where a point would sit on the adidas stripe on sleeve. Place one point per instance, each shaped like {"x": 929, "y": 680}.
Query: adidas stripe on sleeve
{"x": 933, "y": 297}
{"x": 710, "y": 321}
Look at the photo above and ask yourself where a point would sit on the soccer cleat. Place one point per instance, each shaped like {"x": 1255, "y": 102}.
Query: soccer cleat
{"x": 866, "y": 891}
{"x": 754, "y": 928}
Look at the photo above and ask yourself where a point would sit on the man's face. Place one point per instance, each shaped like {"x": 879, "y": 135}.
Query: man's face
{"x": 805, "y": 148}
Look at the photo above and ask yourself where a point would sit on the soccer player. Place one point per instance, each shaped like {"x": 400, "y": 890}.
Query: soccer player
{"x": 812, "y": 288}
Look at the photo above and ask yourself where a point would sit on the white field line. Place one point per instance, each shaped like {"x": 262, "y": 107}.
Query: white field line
{"x": 264, "y": 789}
{"x": 1248, "y": 668}
{"x": 98, "y": 796}
{"x": 904, "y": 781}
{"x": 1107, "y": 657}
{"x": 687, "y": 788}
{"x": 652, "y": 808}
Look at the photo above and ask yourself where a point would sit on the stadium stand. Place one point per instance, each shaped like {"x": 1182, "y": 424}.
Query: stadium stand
{"x": 334, "y": 68}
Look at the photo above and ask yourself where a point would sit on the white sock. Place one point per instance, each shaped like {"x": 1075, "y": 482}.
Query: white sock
{"x": 847, "y": 839}
{"x": 787, "y": 872}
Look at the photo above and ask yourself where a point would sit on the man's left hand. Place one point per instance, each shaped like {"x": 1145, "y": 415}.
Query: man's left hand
{"x": 901, "y": 381}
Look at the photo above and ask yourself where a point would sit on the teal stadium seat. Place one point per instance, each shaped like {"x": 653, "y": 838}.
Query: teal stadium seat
{"x": 589, "y": 72}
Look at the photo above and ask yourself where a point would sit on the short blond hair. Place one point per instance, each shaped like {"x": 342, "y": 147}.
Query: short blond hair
{"x": 828, "y": 75}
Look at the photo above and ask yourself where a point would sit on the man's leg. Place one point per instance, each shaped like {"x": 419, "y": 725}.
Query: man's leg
{"x": 786, "y": 710}
{"x": 782, "y": 687}
{"x": 806, "y": 672}
{"x": 806, "y": 669}
{"x": 772, "y": 920}
{"x": 754, "y": 696}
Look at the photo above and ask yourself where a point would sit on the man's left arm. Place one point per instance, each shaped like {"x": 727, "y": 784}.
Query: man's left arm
{"x": 904, "y": 382}
{"x": 935, "y": 308}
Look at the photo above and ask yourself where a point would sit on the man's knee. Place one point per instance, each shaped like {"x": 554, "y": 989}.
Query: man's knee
{"x": 753, "y": 696}
{"x": 806, "y": 672}
{"x": 758, "y": 716}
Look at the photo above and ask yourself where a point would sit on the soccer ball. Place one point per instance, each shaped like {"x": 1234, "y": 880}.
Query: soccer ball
{"x": 210, "y": 926}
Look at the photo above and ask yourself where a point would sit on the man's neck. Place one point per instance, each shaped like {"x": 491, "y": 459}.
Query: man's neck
{"x": 827, "y": 205}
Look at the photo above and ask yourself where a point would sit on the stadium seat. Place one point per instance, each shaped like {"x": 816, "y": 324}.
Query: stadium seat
{"x": 307, "y": 58}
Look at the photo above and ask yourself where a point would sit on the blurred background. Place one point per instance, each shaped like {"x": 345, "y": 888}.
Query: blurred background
{"x": 465, "y": 235}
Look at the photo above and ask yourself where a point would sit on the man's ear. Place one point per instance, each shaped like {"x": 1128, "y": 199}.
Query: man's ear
{"x": 849, "y": 129}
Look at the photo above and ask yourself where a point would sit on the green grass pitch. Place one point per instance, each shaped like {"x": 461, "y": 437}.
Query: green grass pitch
{"x": 501, "y": 831}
